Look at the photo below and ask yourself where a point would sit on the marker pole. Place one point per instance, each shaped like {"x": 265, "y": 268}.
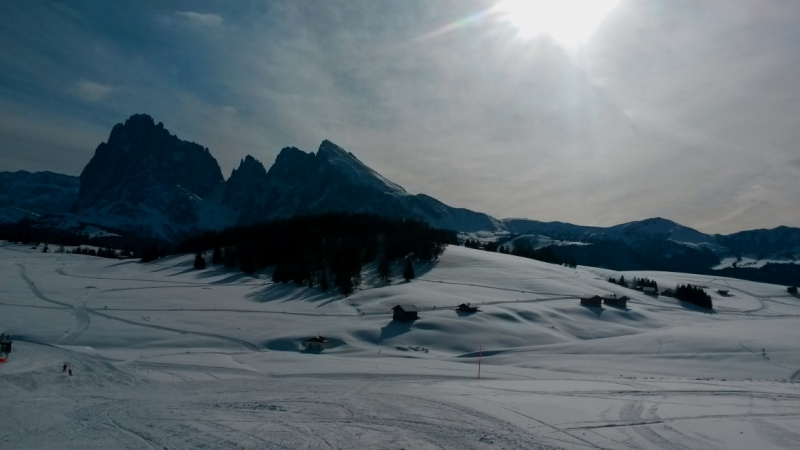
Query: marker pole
{"x": 480, "y": 354}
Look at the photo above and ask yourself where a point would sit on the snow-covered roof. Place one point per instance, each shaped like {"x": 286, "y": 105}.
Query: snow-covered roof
{"x": 406, "y": 308}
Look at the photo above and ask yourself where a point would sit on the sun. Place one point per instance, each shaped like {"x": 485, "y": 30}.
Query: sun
{"x": 570, "y": 22}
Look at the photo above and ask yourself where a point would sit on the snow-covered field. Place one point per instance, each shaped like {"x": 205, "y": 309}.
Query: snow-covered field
{"x": 167, "y": 357}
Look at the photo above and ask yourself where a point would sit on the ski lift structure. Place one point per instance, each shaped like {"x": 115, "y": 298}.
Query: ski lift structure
{"x": 5, "y": 346}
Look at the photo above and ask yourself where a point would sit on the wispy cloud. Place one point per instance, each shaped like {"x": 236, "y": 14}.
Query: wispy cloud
{"x": 201, "y": 19}
{"x": 91, "y": 91}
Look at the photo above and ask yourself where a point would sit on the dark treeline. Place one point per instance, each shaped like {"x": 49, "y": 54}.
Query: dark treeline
{"x": 28, "y": 231}
{"x": 620, "y": 282}
{"x": 694, "y": 295}
{"x": 785, "y": 274}
{"x": 101, "y": 252}
{"x": 645, "y": 282}
{"x": 545, "y": 254}
{"x": 326, "y": 250}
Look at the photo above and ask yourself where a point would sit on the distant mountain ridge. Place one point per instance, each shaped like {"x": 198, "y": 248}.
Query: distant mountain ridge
{"x": 31, "y": 195}
{"x": 150, "y": 183}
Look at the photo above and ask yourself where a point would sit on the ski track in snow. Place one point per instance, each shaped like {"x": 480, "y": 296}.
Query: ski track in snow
{"x": 39, "y": 294}
{"x": 81, "y": 322}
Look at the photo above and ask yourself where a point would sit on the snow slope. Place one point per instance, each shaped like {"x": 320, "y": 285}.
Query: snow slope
{"x": 169, "y": 357}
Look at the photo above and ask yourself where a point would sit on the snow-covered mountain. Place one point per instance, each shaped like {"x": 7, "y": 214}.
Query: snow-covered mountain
{"x": 334, "y": 180}
{"x": 31, "y": 195}
{"x": 638, "y": 232}
{"x": 148, "y": 181}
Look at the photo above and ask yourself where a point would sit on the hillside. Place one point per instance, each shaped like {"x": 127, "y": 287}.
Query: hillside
{"x": 144, "y": 339}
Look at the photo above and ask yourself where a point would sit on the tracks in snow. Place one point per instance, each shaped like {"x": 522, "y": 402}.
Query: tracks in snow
{"x": 43, "y": 297}
{"x": 81, "y": 322}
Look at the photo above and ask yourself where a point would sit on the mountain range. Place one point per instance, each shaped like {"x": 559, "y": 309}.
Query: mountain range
{"x": 148, "y": 182}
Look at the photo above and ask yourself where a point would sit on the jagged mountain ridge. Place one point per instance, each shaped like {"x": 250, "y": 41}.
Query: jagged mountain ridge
{"x": 334, "y": 180}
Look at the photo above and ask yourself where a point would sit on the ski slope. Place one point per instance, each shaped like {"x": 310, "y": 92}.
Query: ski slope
{"x": 165, "y": 356}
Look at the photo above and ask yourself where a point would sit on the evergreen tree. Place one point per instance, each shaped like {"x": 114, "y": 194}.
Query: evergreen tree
{"x": 199, "y": 261}
{"x": 408, "y": 272}
{"x": 229, "y": 257}
{"x": 323, "y": 281}
{"x": 384, "y": 269}
{"x": 694, "y": 295}
{"x": 245, "y": 259}
{"x": 216, "y": 257}
{"x": 345, "y": 285}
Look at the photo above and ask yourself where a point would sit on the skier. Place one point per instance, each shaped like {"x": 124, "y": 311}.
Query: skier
{"x": 64, "y": 368}
{"x": 70, "y": 372}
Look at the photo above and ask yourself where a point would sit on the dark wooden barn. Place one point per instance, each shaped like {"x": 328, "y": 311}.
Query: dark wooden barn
{"x": 316, "y": 343}
{"x": 595, "y": 300}
{"x": 465, "y": 307}
{"x": 613, "y": 300}
{"x": 405, "y": 313}
{"x": 5, "y": 343}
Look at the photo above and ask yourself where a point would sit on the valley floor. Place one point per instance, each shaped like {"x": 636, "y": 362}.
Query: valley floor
{"x": 166, "y": 357}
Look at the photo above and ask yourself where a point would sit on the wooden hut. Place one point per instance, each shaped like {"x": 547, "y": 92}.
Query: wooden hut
{"x": 5, "y": 343}
{"x": 792, "y": 289}
{"x": 405, "y": 313}
{"x": 5, "y": 346}
{"x": 723, "y": 292}
{"x": 595, "y": 300}
{"x": 668, "y": 293}
{"x": 613, "y": 300}
{"x": 464, "y": 307}
{"x": 316, "y": 343}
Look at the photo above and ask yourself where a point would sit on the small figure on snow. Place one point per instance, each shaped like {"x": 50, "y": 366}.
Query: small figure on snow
{"x": 70, "y": 372}
{"x": 64, "y": 368}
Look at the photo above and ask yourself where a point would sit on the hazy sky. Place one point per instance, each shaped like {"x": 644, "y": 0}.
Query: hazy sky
{"x": 684, "y": 109}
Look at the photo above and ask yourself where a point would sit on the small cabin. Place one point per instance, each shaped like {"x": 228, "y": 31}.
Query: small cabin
{"x": 723, "y": 292}
{"x": 316, "y": 343}
{"x": 592, "y": 301}
{"x": 792, "y": 289}
{"x": 465, "y": 307}
{"x": 5, "y": 343}
{"x": 649, "y": 290}
{"x": 613, "y": 300}
{"x": 668, "y": 293}
{"x": 405, "y": 313}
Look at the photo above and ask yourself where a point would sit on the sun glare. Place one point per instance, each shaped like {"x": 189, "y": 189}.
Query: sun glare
{"x": 570, "y": 22}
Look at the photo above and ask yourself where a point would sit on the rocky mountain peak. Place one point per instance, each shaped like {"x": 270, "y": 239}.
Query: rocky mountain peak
{"x": 249, "y": 167}
{"x": 144, "y": 167}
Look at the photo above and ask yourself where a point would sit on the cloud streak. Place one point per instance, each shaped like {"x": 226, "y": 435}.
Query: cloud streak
{"x": 200, "y": 19}
{"x": 91, "y": 91}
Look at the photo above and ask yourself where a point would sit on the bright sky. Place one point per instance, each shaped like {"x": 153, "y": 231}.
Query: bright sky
{"x": 593, "y": 112}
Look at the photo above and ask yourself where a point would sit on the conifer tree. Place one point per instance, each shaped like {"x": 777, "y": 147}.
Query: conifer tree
{"x": 199, "y": 261}
{"x": 216, "y": 257}
{"x": 408, "y": 273}
{"x": 384, "y": 269}
{"x": 323, "y": 281}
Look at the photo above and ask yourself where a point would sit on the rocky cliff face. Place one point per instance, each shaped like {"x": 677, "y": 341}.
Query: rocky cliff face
{"x": 146, "y": 180}
{"x": 334, "y": 180}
